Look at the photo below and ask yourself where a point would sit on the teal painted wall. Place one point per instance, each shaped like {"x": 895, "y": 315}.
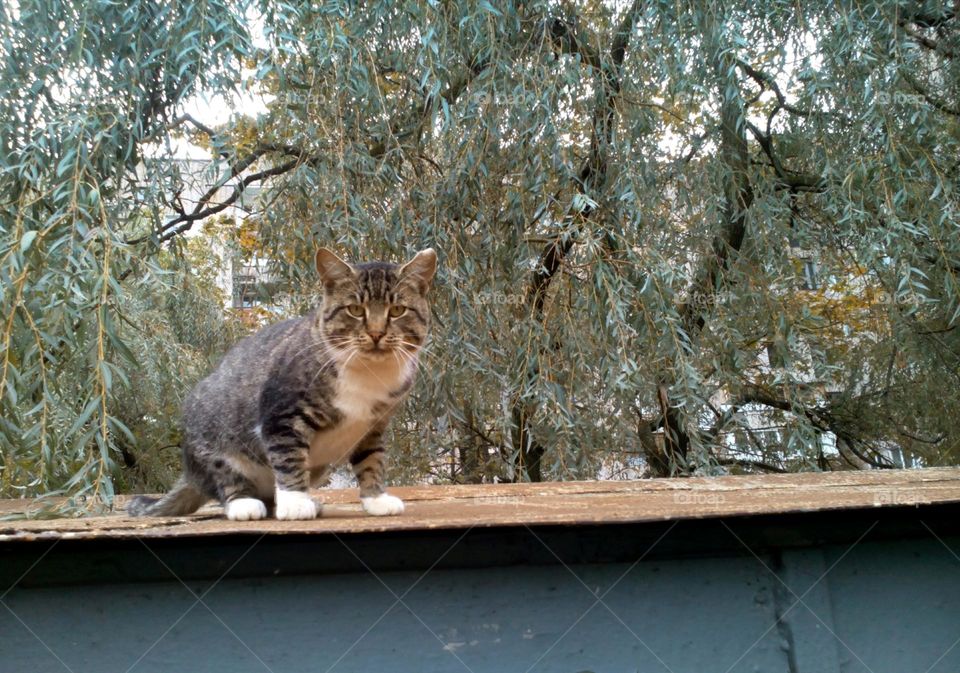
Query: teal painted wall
{"x": 890, "y": 606}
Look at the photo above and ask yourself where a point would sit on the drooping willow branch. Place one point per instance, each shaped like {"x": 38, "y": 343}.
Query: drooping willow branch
{"x": 409, "y": 123}
{"x": 590, "y": 181}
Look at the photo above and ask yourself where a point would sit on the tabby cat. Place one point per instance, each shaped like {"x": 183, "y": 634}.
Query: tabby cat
{"x": 302, "y": 396}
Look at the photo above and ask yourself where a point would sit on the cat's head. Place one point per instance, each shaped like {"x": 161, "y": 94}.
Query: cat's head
{"x": 375, "y": 310}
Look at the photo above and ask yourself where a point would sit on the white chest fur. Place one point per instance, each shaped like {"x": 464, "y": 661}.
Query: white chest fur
{"x": 363, "y": 387}
{"x": 363, "y": 396}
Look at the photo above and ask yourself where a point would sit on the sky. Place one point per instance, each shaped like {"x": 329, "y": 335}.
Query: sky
{"x": 214, "y": 111}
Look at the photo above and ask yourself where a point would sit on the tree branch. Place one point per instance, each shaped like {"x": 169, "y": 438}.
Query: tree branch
{"x": 923, "y": 440}
{"x": 755, "y": 464}
{"x": 203, "y": 128}
{"x": 928, "y": 19}
{"x": 929, "y": 97}
{"x": 565, "y": 40}
{"x": 820, "y": 418}
{"x": 768, "y": 82}
{"x": 592, "y": 173}
{"x": 184, "y": 221}
{"x": 926, "y": 42}
{"x": 734, "y": 153}
{"x": 234, "y": 195}
{"x": 412, "y": 122}
{"x": 795, "y": 182}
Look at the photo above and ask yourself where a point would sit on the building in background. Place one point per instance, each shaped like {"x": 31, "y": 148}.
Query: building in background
{"x": 246, "y": 278}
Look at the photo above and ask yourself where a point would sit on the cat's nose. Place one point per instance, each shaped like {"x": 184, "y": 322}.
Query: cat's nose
{"x": 376, "y": 336}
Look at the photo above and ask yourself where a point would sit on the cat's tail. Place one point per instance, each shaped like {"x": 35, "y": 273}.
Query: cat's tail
{"x": 184, "y": 498}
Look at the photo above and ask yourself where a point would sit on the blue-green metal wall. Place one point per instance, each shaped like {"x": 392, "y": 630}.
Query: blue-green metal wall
{"x": 864, "y": 607}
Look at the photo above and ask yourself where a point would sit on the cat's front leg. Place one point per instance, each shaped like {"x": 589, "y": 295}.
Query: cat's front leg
{"x": 369, "y": 466}
{"x": 295, "y": 505}
{"x": 288, "y": 457}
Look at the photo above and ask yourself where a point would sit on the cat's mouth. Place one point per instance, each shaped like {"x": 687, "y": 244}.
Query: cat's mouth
{"x": 382, "y": 349}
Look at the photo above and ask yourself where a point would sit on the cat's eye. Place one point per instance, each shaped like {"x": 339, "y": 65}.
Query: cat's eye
{"x": 356, "y": 310}
{"x": 396, "y": 311}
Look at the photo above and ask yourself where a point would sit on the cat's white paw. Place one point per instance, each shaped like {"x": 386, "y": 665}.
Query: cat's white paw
{"x": 295, "y": 506}
{"x": 382, "y": 505}
{"x": 246, "y": 509}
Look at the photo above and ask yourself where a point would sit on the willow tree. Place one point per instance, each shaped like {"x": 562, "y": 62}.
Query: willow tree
{"x": 681, "y": 238}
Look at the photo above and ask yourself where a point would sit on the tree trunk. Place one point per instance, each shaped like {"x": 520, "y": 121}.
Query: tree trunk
{"x": 591, "y": 182}
{"x": 471, "y": 459}
{"x": 738, "y": 195}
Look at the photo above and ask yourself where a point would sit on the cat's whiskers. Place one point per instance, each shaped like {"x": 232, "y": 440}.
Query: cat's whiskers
{"x": 375, "y": 375}
{"x": 333, "y": 347}
{"x": 408, "y": 358}
{"x": 351, "y": 353}
{"x": 414, "y": 351}
{"x": 338, "y": 342}
{"x": 322, "y": 368}
{"x": 421, "y": 347}
{"x": 393, "y": 352}
{"x": 421, "y": 353}
{"x": 334, "y": 350}
{"x": 313, "y": 345}
{"x": 404, "y": 359}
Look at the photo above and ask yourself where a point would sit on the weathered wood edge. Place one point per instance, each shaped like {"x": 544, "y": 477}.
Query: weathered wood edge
{"x": 559, "y": 504}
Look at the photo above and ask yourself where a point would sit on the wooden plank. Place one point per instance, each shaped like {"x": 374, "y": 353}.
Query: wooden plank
{"x": 560, "y": 503}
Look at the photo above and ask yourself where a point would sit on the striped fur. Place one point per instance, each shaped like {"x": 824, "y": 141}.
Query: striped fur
{"x": 290, "y": 403}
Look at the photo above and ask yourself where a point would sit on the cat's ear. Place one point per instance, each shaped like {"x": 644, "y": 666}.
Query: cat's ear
{"x": 331, "y": 268}
{"x": 421, "y": 269}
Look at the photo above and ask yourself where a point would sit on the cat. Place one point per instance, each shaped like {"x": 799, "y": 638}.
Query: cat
{"x": 300, "y": 397}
